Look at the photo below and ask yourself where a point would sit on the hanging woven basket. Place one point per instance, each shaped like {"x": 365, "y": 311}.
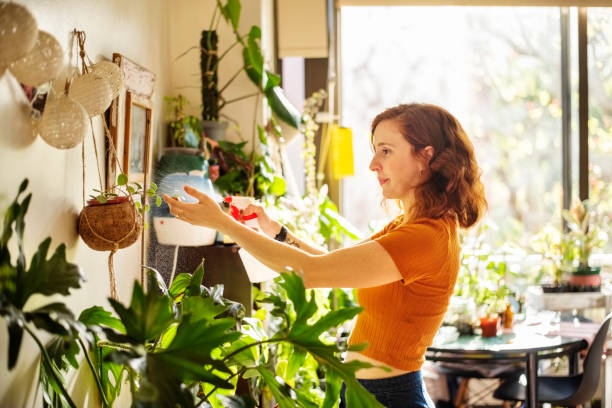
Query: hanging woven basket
{"x": 93, "y": 92}
{"x": 110, "y": 226}
{"x": 64, "y": 123}
{"x": 18, "y": 32}
{"x": 41, "y": 64}
{"x": 112, "y": 73}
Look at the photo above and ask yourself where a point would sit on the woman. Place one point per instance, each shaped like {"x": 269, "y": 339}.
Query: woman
{"x": 406, "y": 273}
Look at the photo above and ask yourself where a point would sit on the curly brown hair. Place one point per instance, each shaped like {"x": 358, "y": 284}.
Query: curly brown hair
{"x": 454, "y": 187}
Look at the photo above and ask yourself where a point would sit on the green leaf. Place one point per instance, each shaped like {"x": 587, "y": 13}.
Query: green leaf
{"x": 179, "y": 284}
{"x": 195, "y": 286}
{"x": 333, "y": 385}
{"x": 296, "y": 360}
{"x": 63, "y": 352}
{"x": 283, "y": 393}
{"x": 148, "y": 315}
{"x": 96, "y": 315}
{"x": 50, "y": 276}
{"x": 231, "y": 12}
{"x": 122, "y": 179}
{"x": 54, "y": 318}
{"x": 282, "y": 107}
{"x": 278, "y": 187}
{"x": 158, "y": 201}
{"x": 190, "y": 136}
{"x": 15, "y": 331}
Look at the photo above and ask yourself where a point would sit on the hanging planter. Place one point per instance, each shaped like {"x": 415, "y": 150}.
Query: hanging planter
{"x": 110, "y": 226}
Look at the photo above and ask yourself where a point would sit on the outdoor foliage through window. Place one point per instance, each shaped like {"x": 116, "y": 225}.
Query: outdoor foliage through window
{"x": 502, "y": 81}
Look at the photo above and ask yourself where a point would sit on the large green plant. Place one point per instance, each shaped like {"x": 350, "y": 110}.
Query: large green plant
{"x": 44, "y": 276}
{"x": 267, "y": 82}
{"x": 189, "y": 346}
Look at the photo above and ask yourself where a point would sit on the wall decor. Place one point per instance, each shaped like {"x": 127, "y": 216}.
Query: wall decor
{"x": 18, "y": 32}
{"x": 64, "y": 123}
{"x": 41, "y": 64}
{"x": 130, "y": 122}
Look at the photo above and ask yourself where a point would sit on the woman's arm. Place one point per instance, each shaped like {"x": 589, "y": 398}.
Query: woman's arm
{"x": 272, "y": 228}
{"x": 363, "y": 265}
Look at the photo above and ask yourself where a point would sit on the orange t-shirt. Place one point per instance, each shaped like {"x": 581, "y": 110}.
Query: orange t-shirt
{"x": 400, "y": 319}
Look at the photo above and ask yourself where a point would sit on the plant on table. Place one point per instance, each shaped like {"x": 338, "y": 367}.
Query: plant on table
{"x": 558, "y": 253}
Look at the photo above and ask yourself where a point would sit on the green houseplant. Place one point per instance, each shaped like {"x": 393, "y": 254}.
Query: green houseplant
{"x": 184, "y": 345}
{"x": 586, "y": 232}
{"x": 558, "y": 253}
{"x": 185, "y": 130}
{"x": 267, "y": 83}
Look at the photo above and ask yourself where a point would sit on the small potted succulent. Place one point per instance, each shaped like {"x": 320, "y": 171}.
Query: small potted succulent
{"x": 585, "y": 223}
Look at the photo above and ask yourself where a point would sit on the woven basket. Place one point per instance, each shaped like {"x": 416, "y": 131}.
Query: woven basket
{"x": 93, "y": 92}
{"x": 103, "y": 226}
{"x": 113, "y": 75}
{"x": 18, "y": 32}
{"x": 41, "y": 64}
{"x": 64, "y": 123}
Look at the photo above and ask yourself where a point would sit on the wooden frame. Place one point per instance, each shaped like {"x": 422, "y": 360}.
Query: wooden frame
{"x": 137, "y": 137}
{"x": 139, "y": 88}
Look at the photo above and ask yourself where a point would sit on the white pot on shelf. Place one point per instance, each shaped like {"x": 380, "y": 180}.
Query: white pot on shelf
{"x": 174, "y": 232}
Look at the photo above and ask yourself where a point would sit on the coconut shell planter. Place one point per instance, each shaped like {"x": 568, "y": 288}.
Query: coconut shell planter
{"x": 110, "y": 226}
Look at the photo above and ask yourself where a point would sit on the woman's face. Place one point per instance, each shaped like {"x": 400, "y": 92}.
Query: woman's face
{"x": 397, "y": 167}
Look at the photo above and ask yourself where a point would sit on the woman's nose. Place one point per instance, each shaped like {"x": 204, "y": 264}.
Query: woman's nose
{"x": 374, "y": 164}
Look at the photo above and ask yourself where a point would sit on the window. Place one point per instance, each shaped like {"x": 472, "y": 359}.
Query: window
{"x": 502, "y": 81}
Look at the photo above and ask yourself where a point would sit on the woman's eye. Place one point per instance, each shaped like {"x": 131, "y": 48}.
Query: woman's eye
{"x": 385, "y": 151}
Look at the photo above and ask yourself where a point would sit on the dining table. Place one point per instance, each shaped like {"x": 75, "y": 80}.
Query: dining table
{"x": 525, "y": 345}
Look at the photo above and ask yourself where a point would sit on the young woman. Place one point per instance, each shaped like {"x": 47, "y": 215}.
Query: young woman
{"x": 406, "y": 273}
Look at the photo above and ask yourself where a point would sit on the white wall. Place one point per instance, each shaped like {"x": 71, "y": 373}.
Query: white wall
{"x": 137, "y": 29}
{"x": 151, "y": 33}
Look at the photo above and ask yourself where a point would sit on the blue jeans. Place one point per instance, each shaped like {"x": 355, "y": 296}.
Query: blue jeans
{"x": 402, "y": 391}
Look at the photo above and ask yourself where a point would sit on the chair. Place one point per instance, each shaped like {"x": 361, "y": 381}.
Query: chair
{"x": 565, "y": 391}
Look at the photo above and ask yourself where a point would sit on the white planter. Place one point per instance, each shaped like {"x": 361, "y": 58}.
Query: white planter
{"x": 170, "y": 231}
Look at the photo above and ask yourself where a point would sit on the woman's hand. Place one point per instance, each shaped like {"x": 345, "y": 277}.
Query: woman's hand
{"x": 268, "y": 226}
{"x": 206, "y": 212}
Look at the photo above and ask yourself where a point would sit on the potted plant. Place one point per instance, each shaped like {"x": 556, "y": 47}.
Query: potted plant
{"x": 266, "y": 82}
{"x": 586, "y": 224}
{"x": 185, "y": 130}
{"x": 558, "y": 253}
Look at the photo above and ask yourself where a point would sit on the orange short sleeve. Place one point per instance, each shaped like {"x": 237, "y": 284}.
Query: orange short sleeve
{"x": 418, "y": 249}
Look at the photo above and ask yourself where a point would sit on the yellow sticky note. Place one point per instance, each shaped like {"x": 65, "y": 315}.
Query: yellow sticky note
{"x": 342, "y": 152}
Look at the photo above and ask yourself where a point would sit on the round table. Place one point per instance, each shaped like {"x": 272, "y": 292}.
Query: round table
{"x": 524, "y": 346}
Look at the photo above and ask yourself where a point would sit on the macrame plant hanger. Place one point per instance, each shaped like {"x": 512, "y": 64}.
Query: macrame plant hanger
{"x": 80, "y": 35}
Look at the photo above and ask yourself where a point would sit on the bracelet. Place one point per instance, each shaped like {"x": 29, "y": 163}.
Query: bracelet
{"x": 282, "y": 234}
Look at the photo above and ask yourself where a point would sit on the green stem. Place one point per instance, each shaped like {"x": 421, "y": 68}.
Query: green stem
{"x": 49, "y": 363}
{"x": 248, "y": 346}
{"x": 112, "y": 344}
{"x": 239, "y": 99}
{"x": 94, "y": 372}
{"x": 205, "y": 398}
{"x": 228, "y": 83}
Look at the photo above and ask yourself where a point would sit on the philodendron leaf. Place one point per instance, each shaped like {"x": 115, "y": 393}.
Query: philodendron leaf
{"x": 148, "y": 315}
{"x": 50, "y": 276}
{"x": 304, "y": 335}
{"x": 283, "y": 393}
{"x": 333, "y": 385}
{"x": 179, "y": 284}
{"x": 15, "y": 330}
{"x": 96, "y": 315}
{"x": 195, "y": 287}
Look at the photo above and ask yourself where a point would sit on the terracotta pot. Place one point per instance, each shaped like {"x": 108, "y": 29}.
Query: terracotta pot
{"x": 489, "y": 325}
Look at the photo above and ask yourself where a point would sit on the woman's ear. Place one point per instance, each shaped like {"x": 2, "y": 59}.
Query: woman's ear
{"x": 428, "y": 153}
